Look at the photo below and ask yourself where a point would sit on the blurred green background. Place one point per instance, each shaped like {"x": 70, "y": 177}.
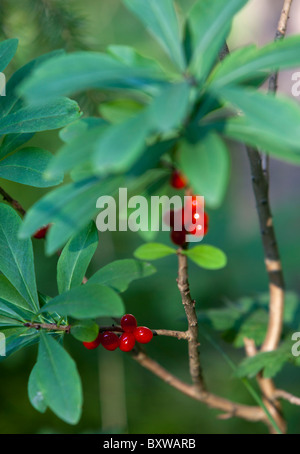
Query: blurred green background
{"x": 120, "y": 396}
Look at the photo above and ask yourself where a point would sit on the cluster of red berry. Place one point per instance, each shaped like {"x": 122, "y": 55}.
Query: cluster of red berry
{"x": 131, "y": 333}
{"x": 178, "y": 181}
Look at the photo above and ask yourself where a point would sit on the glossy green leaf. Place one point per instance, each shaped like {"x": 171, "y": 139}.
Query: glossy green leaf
{"x": 80, "y": 71}
{"x": 250, "y": 61}
{"x": 34, "y": 392}
{"x": 206, "y": 165}
{"x": 85, "y": 330}
{"x": 69, "y": 207}
{"x": 16, "y": 260}
{"x": 87, "y": 301}
{"x": 8, "y": 49}
{"x": 27, "y": 166}
{"x": 210, "y": 22}
{"x": 75, "y": 258}
{"x": 208, "y": 257}
{"x": 153, "y": 251}
{"x": 12, "y": 101}
{"x": 58, "y": 380}
{"x": 12, "y": 303}
{"x": 121, "y": 273}
{"x": 159, "y": 16}
{"x": 52, "y": 115}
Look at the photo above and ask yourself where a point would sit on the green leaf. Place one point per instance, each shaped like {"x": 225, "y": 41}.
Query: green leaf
{"x": 206, "y": 256}
{"x": 120, "y": 145}
{"x": 8, "y": 49}
{"x": 210, "y": 22}
{"x": 242, "y": 130}
{"x": 11, "y": 302}
{"x": 120, "y": 110}
{"x": 34, "y": 393}
{"x": 130, "y": 57}
{"x": 259, "y": 109}
{"x": 27, "y": 166}
{"x": 12, "y": 100}
{"x": 121, "y": 273}
{"x": 75, "y": 152}
{"x": 250, "y": 61}
{"x": 16, "y": 260}
{"x": 80, "y": 71}
{"x": 58, "y": 380}
{"x": 75, "y": 258}
{"x": 160, "y": 18}
{"x": 69, "y": 208}
{"x": 85, "y": 330}
{"x": 269, "y": 362}
{"x": 52, "y": 115}
{"x": 87, "y": 301}
{"x": 17, "y": 338}
{"x": 153, "y": 251}
{"x": 206, "y": 165}
{"x": 78, "y": 127}
{"x": 170, "y": 107}
{"x": 13, "y": 141}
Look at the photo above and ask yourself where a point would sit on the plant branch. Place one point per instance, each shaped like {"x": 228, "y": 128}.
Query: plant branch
{"x": 189, "y": 307}
{"x": 49, "y": 327}
{"x": 14, "y": 203}
{"x": 232, "y": 409}
{"x": 281, "y": 394}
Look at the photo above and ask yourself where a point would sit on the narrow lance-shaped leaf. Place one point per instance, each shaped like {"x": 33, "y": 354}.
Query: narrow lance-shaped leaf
{"x": 250, "y": 61}
{"x": 159, "y": 16}
{"x": 87, "y": 301}
{"x": 27, "y": 166}
{"x": 16, "y": 258}
{"x": 58, "y": 380}
{"x": 52, "y": 115}
{"x": 80, "y": 71}
{"x": 121, "y": 273}
{"x": 210, "y": 22}
{"x": 75, "y": 258}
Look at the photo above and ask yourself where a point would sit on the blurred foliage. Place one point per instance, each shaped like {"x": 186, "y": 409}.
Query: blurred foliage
{"x": 233, "y": 227}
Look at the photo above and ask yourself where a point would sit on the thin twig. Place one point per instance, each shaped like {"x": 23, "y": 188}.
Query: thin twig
{"x": 14, "y": 203}
{"x": 281, "y": 394}
{"x": 189, "y": 307}
{"x": 232, "y": 409}
{"x": 49, "y": 327}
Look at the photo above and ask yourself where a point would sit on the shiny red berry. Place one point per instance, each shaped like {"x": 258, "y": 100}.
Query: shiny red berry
{"x": 127, "y": 341}
{"x": 41, "y": 233}
{"x": 142, "y": 334}
{"x": 178, "y": 181}
{"x": 94, "y": 344}
{"x": 128, "y": 323}
{"x": 178, "y": 237}
{"x": 109, "y": 340}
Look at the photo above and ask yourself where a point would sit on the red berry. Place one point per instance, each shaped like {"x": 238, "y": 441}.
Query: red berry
{"x": 127, "y": 341}
{"x": 143, "y": 335}
{"x": 178, "y": 237}
{"x": 178, "y": 181}
{"x": 109, "y": 340}
{"x": 41, "y": 233}
{"x": 128, "y": 323}
{"x": 94, "y": 344}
